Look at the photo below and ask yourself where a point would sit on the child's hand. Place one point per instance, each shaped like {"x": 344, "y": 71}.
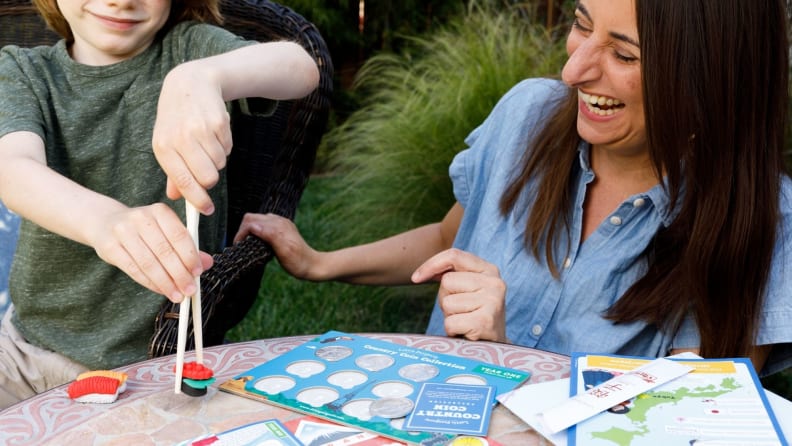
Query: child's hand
{"x": 472, "y": 294}
{"x": 192, "y": 135}
{"x": 152, "y": 246}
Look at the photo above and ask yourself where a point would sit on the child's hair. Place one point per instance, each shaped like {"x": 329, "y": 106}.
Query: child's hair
{"x": 181, "y": 10}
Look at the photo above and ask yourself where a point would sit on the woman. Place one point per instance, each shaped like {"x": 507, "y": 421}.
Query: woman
{"x": 648, "y": 213}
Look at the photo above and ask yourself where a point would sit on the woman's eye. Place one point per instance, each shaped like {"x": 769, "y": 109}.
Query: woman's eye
{"x": 625, "y": 58}
{"x": 577, "y": 25}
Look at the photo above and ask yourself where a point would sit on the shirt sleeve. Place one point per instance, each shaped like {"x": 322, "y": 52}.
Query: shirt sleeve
{"x": 775, "y": 326}
{"x": 501, "y": 140}
{"x": 19, "y": 105}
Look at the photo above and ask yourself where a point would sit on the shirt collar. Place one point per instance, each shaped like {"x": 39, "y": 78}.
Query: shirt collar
{"x": 657, "y": 194}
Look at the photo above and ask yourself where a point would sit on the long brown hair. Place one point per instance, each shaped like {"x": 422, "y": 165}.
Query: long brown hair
{"x": 181, "y": 10}
{"x": 714, "y": 77}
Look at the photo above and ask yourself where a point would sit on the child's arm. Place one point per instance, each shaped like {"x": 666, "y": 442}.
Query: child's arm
{"x": 149, "y": 243}
{"x": 192, "y": 135}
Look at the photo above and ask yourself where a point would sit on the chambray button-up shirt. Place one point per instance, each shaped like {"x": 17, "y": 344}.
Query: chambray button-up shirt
{"x": 563, "y": 315}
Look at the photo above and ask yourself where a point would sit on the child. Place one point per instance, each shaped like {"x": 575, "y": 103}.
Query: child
{"x": 101, "y": 136}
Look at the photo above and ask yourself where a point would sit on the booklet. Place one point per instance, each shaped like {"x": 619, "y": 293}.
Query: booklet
{"x": 452, "y": 408}
{"x": 720, "y": 402}
{"x": 373, "y": 385}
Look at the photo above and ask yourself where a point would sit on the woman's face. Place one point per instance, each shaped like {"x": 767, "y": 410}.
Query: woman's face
{"x": 109, "y": 31}
{"x": 604, "y": 65}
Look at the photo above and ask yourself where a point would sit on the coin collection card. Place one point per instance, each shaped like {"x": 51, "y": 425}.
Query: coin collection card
{"x": 366, "y": 383}
{"x": 452, "y": 408}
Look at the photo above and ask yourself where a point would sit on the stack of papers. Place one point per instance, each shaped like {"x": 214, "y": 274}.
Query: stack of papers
{"x": 720, "y": 402}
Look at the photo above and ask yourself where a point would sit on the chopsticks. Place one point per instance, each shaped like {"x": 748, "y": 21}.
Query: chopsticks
{"x": 184, "y": 308}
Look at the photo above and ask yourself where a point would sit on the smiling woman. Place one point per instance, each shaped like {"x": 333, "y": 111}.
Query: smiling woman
{"x": 623, "y": 210}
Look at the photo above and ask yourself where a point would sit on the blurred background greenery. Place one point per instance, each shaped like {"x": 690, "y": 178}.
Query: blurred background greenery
{"x": 413, "y": 78}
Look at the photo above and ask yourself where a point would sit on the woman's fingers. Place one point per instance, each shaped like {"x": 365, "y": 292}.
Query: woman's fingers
{"x": 471, "y": 295}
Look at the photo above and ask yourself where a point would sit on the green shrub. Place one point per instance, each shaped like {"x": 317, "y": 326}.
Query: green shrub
{"x": 390, "y": 165}
{"x": 393, "y": 153}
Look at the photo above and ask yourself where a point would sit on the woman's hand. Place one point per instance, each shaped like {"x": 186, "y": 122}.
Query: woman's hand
{"x": 472, "y": 294}
{"x": 152, "y": 246}
{"x": 293, "y": 253}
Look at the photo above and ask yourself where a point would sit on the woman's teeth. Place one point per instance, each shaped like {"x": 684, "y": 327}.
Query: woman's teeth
{"x": 600, "y": 105}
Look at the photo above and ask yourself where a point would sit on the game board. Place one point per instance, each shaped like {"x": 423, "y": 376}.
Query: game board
{"x": 366, "y": 383}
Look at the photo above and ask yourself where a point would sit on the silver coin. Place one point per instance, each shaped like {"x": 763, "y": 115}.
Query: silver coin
{"x": 419, "y": 372}
{"x": 391, "y": 407}
{"x": 374, "y": 362}
{"x": 333, "y": 353}
{"x": 467, "y": 379}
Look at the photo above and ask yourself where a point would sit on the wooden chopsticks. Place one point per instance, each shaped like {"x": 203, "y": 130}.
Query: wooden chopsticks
{"x": 184, "y": 309}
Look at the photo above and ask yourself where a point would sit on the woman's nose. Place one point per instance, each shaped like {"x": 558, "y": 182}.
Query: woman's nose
{"x": 583, "y": 64}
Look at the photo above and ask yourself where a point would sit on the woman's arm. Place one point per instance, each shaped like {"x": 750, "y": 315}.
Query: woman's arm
{"x": 390, "y": 261}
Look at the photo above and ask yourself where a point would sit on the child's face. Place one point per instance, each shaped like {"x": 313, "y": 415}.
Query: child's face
{"x": 109, "y": 31}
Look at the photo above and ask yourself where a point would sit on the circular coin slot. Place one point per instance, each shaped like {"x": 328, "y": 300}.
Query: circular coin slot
{"x": 347, "y": 379}
{"x": 274, "y": 384}
{"x": 392, "y": 389}
{"x": 333, "y": 353}
{"x": 467, "y": 379}
{"x": 317, "y": 396}
{"x": 358, "y": 409}
{"x": 418, "y": 372}
{"x": 304, "y": 369}
{"x": 374, "y": 362}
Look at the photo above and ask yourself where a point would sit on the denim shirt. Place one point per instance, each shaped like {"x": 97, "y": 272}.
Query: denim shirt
{"x": 565, "y": 315}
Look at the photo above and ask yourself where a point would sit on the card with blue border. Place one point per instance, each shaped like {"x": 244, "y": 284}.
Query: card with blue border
{"x": 452, "y": 408}
{"x": 268, "y": 432}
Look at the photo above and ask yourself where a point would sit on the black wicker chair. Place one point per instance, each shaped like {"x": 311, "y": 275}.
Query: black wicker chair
{"x": 267, "y": 170}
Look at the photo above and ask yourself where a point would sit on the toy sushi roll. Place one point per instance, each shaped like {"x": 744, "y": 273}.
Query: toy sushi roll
{"x": 95, "y": 389}
{"x": 196, "y": 378}
{"x": 120, "y": 376}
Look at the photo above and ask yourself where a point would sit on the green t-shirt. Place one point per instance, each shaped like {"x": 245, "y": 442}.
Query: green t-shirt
{"x": 97, "y": 125}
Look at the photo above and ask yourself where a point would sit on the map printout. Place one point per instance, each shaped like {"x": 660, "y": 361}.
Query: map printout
{"x": 720, "y": 403}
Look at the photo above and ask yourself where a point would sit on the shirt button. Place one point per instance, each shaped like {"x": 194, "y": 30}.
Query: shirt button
{"x": 639, "y": 202}
{"x": 616, "y": 221}
{"x": 567, "y": 262}
{"x": 536, "y": 330}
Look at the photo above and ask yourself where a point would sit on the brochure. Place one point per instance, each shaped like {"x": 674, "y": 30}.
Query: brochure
{"x": 720, "y": 402}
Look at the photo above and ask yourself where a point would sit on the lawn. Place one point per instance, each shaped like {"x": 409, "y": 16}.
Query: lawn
{"x": 287, "y": 306}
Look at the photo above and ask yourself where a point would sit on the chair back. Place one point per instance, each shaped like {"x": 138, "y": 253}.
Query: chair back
{"x": 268, "y": 167}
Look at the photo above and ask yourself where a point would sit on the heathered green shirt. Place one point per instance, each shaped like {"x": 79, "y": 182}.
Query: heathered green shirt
{"x": 97, "y": 126}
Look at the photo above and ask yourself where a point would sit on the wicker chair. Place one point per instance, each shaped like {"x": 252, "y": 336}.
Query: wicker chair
{"x": 267, "y": 170}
